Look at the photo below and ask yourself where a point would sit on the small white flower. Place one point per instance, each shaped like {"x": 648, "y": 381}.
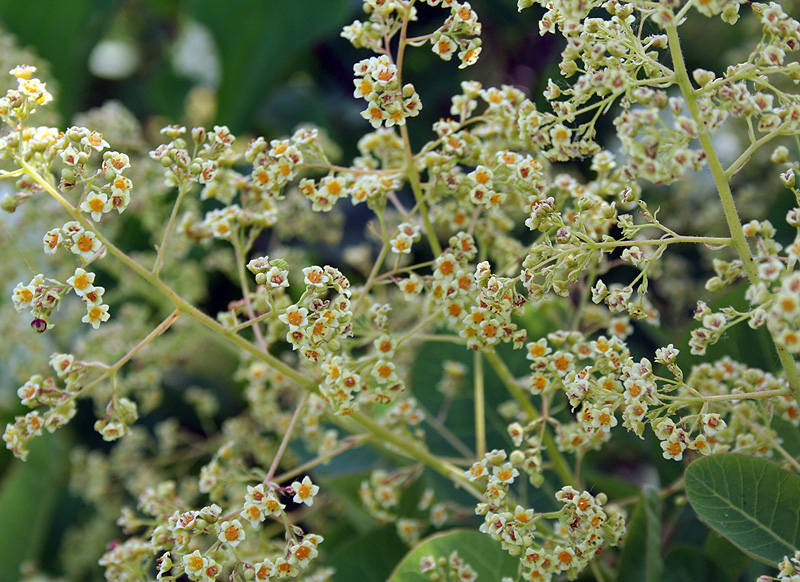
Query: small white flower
{"x": 304, "y": 491}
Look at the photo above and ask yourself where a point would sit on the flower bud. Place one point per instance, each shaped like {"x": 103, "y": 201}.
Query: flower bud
{"x": 9, "y": 203}
{"x": 714, "y": 285}
{"x": 730, "y": 14}
{"x": 517, "y": 457}
{"x": 703, "y": 77}
{"x": 496, "y": 457}
{"x": 199, "y": 135}
{"x": 780, "y": 155}
{"x": 586, "y": 203}
{"x": 39, "y": 325}
{"x": 536, "y": 479}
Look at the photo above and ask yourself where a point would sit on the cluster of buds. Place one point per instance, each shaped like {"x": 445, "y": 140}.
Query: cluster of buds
{"x": 52, "y": 406}
{"x": 450, "y": 569}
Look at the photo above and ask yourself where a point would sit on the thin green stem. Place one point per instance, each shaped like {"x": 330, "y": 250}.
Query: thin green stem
{"x": 411, "y": 168}
{"x": 179, "y": 302}
{"x": 738, "y": 239}
{"x": 346, "y": 444}
{"x": 159, "y": 263}
{"x": 448, "y": 435}
{"x": 560, "y": 464}
{"x": 415, "y": 451}
{"x": 747, "y": 154}
{"x": 416, "y": 187}
{"x": 248, "y": 302}
{"x": 253, "y": 321}
{"x": 758, "y": 395}
{"x": 285, "y": 440}
{"x": 706, "y": 240}
{"x": 480, "y": 403}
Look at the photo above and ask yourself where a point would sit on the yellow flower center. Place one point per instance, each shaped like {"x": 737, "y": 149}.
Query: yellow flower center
{"x": 81, "y": 281}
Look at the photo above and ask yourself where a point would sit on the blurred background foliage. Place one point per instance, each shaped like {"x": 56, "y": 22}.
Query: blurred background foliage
{"x": 262, "y": 67}
{"x": 259, "y": 66}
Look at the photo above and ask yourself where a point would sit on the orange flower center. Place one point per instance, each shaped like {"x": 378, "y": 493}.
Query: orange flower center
{"x": 81, "y": 281}
{"x": 231, "y": 533}
{"x": 85, "y": 243}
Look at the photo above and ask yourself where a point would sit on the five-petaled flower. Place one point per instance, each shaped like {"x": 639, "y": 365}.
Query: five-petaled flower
{"x": 304, "y": 491}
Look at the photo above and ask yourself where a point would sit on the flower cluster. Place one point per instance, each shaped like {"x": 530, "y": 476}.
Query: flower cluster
{"x": 788, "y": 570}
{"x": 228, "y": 547}
{"x": 583, "y": 528}
{"x": 481, "y": 237}
{"x": 451, "y": 569}
{"x": 388, "y": 103}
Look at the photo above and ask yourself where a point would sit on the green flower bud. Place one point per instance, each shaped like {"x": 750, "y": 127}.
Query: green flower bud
{"x": 496, "y": 457}
{"x": 517, "y": 457}
{"x": 780, "y": 155}
{"x": 9, "y": 203}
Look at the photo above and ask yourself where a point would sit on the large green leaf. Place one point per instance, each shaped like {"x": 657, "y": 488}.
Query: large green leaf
{"x": 726, "y": 556}
{"x": 686, "y": 564}
{"x": 641, "y": 559}
{"x": 484, "y": 554}
{"x": 750, "y": 501}
{"x": 63, "y": 33}
{"x": 368, "y": 558}
{"x": 27, "y": 501}
{"x": 257, "y": 41}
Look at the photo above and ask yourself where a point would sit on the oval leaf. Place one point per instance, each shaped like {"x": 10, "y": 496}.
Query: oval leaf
{"x": 487, "y": 558}
{"x": 750, "y": 501}
{"x": 641, "y": 559}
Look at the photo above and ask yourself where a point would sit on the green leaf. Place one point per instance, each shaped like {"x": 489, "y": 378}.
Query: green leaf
{"x": 27, "y": 501}
{"x": 368, "y": 558}
{"x": 686, "y": 564}
{"x": 63, "y": 33}
{"x": 641, "y": 559}
{"x": 257, "y": 41}
{"x": 727, "y": 557}
{"x": 750, "y": 501}
{"x": 484, "y": 554}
